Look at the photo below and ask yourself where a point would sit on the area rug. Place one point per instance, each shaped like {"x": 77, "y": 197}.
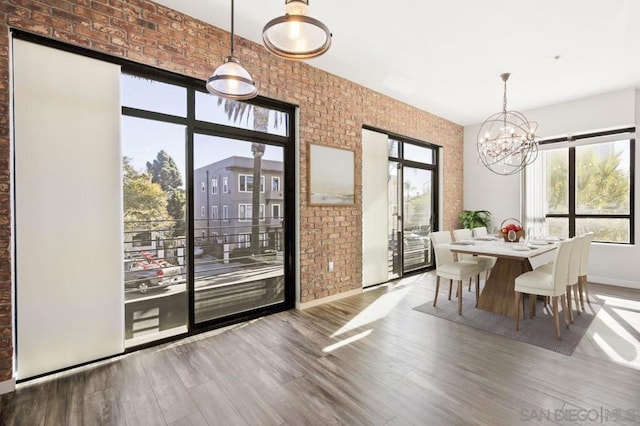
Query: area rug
{"x": 538, "y": 331}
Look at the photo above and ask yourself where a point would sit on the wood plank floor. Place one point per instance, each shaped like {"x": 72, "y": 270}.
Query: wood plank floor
{"x": 366, "y": 359}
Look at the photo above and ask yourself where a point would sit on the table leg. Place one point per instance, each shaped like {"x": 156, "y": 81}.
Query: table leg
{"x": 498, "y": 293}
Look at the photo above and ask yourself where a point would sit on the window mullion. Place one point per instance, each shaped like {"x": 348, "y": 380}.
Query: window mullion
{"x": 572, "y": 191}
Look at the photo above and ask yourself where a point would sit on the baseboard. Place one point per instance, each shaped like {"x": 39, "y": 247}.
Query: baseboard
{"x": 328, "y": 299}
{"x": 7, "y": 386}
{"x": 616, "y": 282}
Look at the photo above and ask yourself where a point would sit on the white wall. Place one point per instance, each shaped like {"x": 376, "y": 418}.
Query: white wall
{"x": 484, "y": 190}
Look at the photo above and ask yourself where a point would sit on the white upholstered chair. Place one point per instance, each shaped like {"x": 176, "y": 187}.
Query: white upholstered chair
{"x": 552, "y": 284}
{"x": 583, "y": 286}
{"x": 574, "y": 268}
{"x": 485, "y": 263}
{"x": 480, "y": 231}
{"x": 448, "y": 268}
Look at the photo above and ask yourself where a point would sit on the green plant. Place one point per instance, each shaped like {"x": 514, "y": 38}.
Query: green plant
{"x": 475, "y": 218}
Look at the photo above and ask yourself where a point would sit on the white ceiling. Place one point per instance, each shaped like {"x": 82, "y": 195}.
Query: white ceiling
{"x": 446, "y": 57}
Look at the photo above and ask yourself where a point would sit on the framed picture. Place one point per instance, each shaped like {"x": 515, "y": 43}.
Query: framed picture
{"x": 331, "y": 176}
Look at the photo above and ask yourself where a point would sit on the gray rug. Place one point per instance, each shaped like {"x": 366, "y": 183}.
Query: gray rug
{"x": 538, "y": 331}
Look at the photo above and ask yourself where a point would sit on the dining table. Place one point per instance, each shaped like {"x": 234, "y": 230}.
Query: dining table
{"x": 512, "y": 260}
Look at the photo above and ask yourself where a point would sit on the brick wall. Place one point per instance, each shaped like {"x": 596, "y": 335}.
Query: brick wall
{"x": 332, "y": 112}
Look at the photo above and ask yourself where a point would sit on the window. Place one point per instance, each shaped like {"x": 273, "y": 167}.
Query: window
{"x": 245, "y": 183}
{"x": 202, "y": 187}
{"x": 244, "y": 240}
{"x": 214, "y": 212}
{"x": 589, "y": 188}
{"x": 225, "y": 185}
{"x": 225, "y": 213}
{"x": 214, "y": 186}
{"x": 245, "y": 212}
{"x": 275, "y": 211}
{"x": 275, "y": 183}
{"x": 202, "y": 211}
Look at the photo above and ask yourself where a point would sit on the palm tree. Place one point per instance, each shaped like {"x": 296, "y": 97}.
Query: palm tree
{"x": 236, "y": 111}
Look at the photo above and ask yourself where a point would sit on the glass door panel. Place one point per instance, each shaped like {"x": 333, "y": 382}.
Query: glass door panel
{"x": 154, "y": 230}
{"x": 395, "y": 220}
{"x": 238, "y": 205}
{"x": 417, "y": 216}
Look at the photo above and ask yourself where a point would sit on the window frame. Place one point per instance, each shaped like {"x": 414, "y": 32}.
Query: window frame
{"x": 248, "y": 212}
{"x": 627, "y": 134}
{"x": 246, "y": 176}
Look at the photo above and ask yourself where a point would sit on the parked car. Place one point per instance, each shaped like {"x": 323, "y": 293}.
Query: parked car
{"x": 136, "y": 277}
{"x": 143, "y": 275}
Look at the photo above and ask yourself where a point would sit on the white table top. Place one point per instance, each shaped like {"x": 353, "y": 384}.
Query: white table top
{"x": 500, "y": 248}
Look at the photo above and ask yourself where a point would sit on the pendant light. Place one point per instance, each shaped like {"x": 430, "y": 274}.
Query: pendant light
{"x": 296, "y": 35}
{"x": 231, "y": 80}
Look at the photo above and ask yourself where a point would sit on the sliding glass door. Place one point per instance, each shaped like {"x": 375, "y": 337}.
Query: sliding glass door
{"x": 412, "y": 205}
{"x": 206, "y": 188}
{"x": 238, "y": 226}
{"x": 417, "y": 207}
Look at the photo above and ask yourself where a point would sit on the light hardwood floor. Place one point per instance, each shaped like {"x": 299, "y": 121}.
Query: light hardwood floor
{"x": 366, "y": 359}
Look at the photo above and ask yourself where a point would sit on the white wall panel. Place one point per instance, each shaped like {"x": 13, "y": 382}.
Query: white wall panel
{"x": 375, "y": 208}
{"x": 68, "y": 195}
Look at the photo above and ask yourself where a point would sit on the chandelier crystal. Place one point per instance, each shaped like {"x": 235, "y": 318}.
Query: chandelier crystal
{"x": 506, "y": 140}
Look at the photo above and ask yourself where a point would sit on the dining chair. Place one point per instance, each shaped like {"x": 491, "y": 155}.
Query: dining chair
{"x": 448, "y": 268}
{"x": 584, "y": 265}
{"x": 574, "y": 269}
{"x": 485, "y": 263}
{"x": 554, "y": 284}
{"x": 480, "y": 231}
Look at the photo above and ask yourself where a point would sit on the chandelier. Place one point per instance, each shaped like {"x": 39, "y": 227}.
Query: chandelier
{"x": 506, "y": 140}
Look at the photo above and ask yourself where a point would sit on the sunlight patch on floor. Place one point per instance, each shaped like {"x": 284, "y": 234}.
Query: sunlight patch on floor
{"x": 615, "y": 329}
{"x": 375, "y": 311}
{"x": 347, "y": 341}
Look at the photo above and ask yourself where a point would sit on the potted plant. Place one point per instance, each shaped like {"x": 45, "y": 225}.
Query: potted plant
{"x": 475, "y": 218}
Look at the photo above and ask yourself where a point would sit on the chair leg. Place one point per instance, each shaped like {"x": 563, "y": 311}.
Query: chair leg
{"x": 516, "y": 317}
{"x": 570, "y": 310}
{"x": 477, "y": 289}
{"x": 580, "y": 290}
{"x": 459, "y": 297}
{"x": 450, "y": 284}
{"x": 565, "y": 310}
{"x": 556, "y": 320}
{"x": 585, "y": 284}
{"x": 435, "y": 299}
{"x": 469, "y": 284}
{"x": 532, "y": 305}
{"x": 575, "y": 296}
